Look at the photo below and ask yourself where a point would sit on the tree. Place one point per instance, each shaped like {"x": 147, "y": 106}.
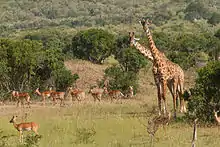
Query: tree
{"x": 214, "y": 19}
{"x": 94, "y": 45}
{"x": 121, "y": 80}
{"x": 196, "y": 10}
{"x": 26, "y": 64}
{"x": 217, "y": 34}
{"x": 129, "y": 58}
{"x": 206, "y": 93}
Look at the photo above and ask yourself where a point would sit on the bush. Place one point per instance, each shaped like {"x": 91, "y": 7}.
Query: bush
{"x": 205, "y": 94}
{"x": 94, "y": 45}
{"x": 121, "y": 80}
{"x": 130, "y": 59}
{"x": 214, "y": 19}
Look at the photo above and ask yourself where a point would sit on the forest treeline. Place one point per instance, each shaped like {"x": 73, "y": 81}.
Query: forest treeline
{"x": 35, "y": 14}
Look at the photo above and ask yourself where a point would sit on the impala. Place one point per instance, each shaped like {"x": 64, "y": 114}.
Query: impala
{"x": 58, "y": 96}
{"x": 96, "y": 93}
{"x": 20, "y": 97}
{"x": 24, "y": 127}
{"x": 130, "y": 91}
{"x": 114, "y": 94}
{"x": 44, "y": 95}
{"x": 216, "y": 116}
{"x": 77, "y": 93}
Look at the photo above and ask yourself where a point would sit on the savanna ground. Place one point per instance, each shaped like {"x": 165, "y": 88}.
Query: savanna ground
{"x": 101, "y": 124}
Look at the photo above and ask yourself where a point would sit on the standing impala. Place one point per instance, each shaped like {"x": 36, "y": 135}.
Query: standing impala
{"x": 96, "y": 93}
{"x": 77, "y": 93}
{"x": 58, "y": 96}
{"x": 24, "y": 127}
{"x": 114, "y": 94}
{"x": 44, "y": 95}
{"x": 216, "y": 116}
{"x": 20, "y": 97}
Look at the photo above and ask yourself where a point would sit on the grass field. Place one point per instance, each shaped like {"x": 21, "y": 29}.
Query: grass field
{"x": 103, "y": 124}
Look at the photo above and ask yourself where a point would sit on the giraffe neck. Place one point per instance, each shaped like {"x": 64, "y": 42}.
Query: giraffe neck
{"x": 154, "y": 51}
{"x": 144, "y": 51}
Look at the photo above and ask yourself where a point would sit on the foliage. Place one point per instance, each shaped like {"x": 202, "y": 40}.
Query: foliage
{"x": 84, "y": 135}
{"x": 187, "y": 48}
{"x": 121, "y": 80}
{"x": 27, "y": 64}
{"x": 214, "y": 19}
{"x": 63, "y": 78}
{"x": 205, "y": 94}
{"x": 196, "y": 10}
{"x": 130, "y": 59}
{"x": 4, "y": 140}
{"x": 93, "y": 44}
{"x": 217, "y": 34}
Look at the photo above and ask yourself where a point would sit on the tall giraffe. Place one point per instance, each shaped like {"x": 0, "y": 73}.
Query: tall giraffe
{"x": 169, "y": 73}
{"x": 147, "y": 53}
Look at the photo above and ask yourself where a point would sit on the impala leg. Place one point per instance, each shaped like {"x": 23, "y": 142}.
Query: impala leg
{"x": 20, "y": 137}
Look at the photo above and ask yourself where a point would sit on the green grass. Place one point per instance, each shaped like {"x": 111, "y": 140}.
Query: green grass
{"x": 104, "y": 124}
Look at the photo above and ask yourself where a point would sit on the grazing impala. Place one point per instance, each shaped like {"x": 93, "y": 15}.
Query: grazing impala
{"x": 77, "y": 93}
{"x": 216, "y": 116}
{"x": 96, "y": 93}
{"x": 114, "y": 94}
{"x": 20, "y": 97}
{"x": 24, "y": 127}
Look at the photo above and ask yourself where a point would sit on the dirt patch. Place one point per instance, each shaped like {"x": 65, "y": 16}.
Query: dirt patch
{"x": 88, "y": 72}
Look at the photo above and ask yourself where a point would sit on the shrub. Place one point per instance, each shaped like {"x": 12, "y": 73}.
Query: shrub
{"x": 206, "y": 93}
{"x": 121, "y": 80}
{"x": 94, "y": 45}
{"x": 214, "y": 19}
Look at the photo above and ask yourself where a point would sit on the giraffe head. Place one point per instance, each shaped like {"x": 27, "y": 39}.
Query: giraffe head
{"x": 132, "y": 39}
{"x": 145, "y": 23}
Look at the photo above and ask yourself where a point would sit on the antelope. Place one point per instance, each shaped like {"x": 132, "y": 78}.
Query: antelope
{"x": 96, "y": 93}
{"x": 130, "y": 92}
{"x": 58, "y": 95}
{"x": 20, "y": 97}
{"x": 117, "y": 94}
{"x": 216, "y": 116}
{"x": 44, "y": 95}
{"x": 77, "y": 93}
{"x": 24, "y": 127}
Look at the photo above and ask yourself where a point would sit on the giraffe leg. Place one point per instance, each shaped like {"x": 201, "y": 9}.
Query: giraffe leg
{"x": 159, "y": 97}
{"x": 174, "y": 97}
{"x": 163, "y": 95}
{"x": 182, "y": 102}
{"x": 157, "y": 82}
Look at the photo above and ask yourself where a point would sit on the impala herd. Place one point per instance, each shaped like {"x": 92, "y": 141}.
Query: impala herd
{"x": 75, "y": 93}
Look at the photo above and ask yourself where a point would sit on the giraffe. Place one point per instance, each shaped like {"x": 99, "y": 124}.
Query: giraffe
{"x": 147, "y": 53}
{"x": 169, "y": 73}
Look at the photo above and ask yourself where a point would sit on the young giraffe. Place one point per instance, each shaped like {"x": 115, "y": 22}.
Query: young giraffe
{"x": 169, "y": 73}
{"x": 147, "y": 53}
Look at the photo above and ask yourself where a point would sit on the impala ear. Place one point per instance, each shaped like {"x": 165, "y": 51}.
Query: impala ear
{"x": 136, "y": 38}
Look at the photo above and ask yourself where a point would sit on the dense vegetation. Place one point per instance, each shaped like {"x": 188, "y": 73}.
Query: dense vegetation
{"x": 37, "y": 36}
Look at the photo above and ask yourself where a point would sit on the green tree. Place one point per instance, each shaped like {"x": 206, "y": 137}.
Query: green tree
{"x": 214, "y": 19}
{"x": 129, "y": 58}
{"x": 217, "y": 34}
{"x": 26, "y": 64}
{"x": 120, "y": 79}
{"x": 94, "y": 45}
{"x": 206, "y": 93}
{"x": 196, "y": 10}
